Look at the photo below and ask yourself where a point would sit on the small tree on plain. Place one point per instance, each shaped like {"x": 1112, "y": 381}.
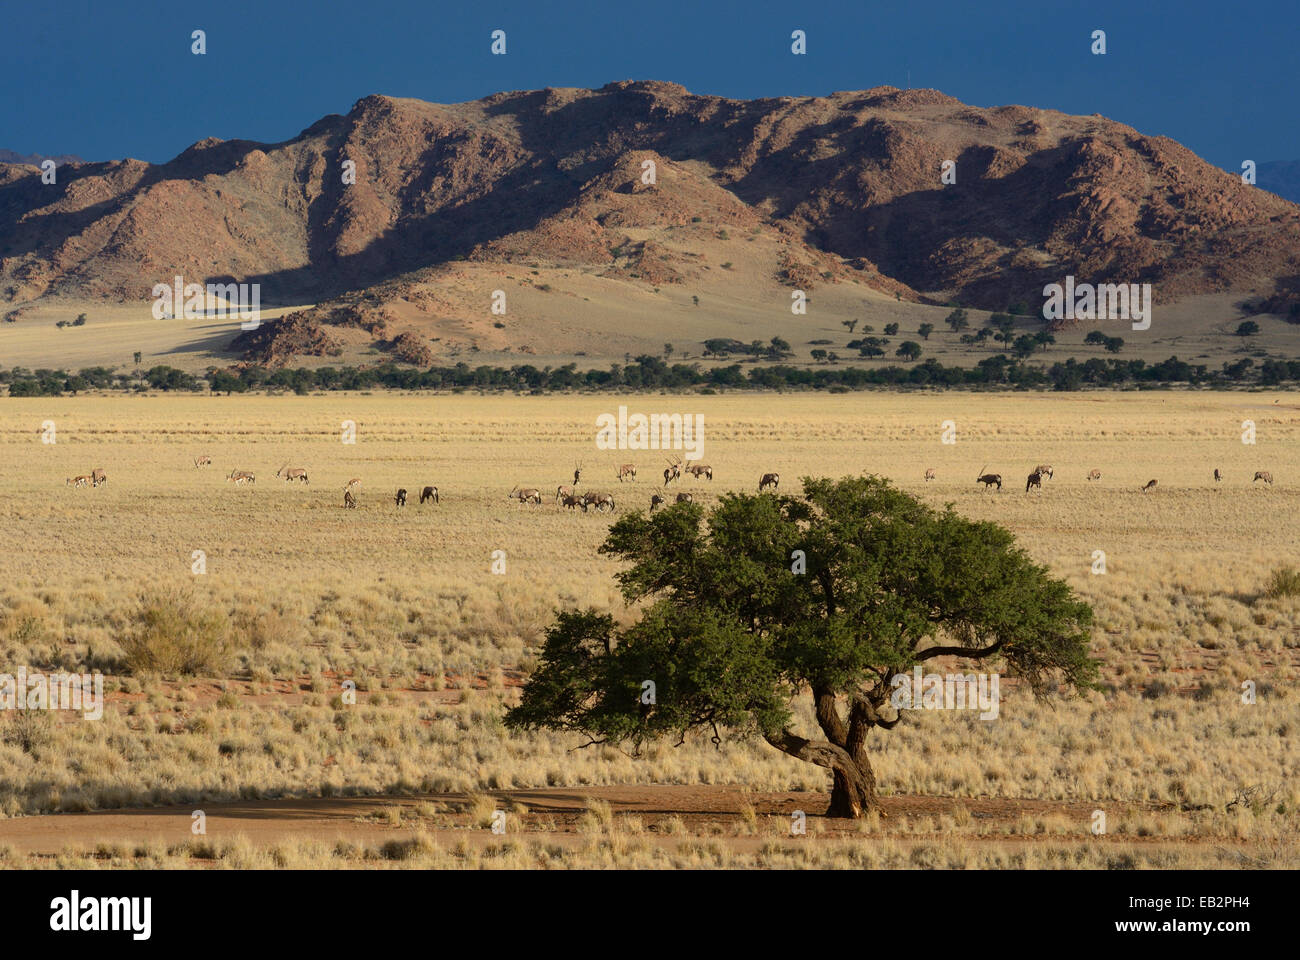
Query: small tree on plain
{"x": 731, "y": 637}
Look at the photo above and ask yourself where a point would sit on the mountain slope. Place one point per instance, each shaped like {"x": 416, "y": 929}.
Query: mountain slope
{"x": 779, "y": 193}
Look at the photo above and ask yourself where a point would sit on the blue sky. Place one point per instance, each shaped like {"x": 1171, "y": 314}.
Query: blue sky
{"x": 108, "y": 80}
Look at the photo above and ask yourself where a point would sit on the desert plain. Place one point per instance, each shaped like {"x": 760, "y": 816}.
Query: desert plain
{"x": 232, "y": 623}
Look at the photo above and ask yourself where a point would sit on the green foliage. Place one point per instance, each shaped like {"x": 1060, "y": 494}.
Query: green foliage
{"x": 730, "y": 634}
{"x": 1247, "y": 328}
{"x": 1284, "y": 582}
{"x": 957, "y": 320}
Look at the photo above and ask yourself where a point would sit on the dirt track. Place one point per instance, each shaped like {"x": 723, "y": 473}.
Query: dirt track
{"x": 553, "y": 815}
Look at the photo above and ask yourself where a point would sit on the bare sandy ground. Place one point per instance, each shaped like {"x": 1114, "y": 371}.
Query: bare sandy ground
{"x": 553, "y": 816}
{"x": 592, "y": 321}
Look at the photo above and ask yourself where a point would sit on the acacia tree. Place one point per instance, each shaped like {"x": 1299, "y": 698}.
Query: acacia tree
{"x": 736, "y": 625}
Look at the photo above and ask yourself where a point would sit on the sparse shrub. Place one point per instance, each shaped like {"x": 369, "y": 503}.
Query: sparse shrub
{"x": 1284, "y": 582}
{"x": 26, "y": 629}
{"x": 259, "y": 629}
{"x": 482, "y": 810}
{"x": 173, "y": 635}
{"x": 408, "y": 849}
{"x": 27, "y": 729}
{"x": 1155, "y": 689}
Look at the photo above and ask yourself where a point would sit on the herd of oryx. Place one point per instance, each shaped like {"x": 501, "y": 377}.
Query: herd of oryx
{"x": 568, "y": 495}
{"x": 1035, "y": 478}
{"x": 299, "y": 475}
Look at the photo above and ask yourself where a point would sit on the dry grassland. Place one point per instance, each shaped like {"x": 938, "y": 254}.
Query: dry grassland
{"x": 300, "y": 594}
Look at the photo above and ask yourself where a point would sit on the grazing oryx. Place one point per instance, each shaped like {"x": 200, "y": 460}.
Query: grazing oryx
{"x": 988, "y": 479}
{"x": 772, "y": 480}
{"x": 288, "y": 474}
{"x": 571, "y": 490}
{"x": 1150, "y": 485}
{"x": 354, "y": 482}
{"x": 241, "y": 476}
{"x": 530, "y": 495}
{"x": 625, "y": 471}
{"x": 698, "y": 470}
{"x": 349, "y": 501}
{"x": 1265, "y": 476}
{"x": 573, "y": 501}
{"x": 685, "y": 498}
{"x": 1096, "y": 474}
{"x": 400, "y": 499}
{"x": 601, "y": 501}
{"x": 673, "y": 471}
{"x": 656, "y": 501}
{"x": 1218, "y": 477}
{"x": 1044, "y": 470}
{"x": 930, "y": 474}
{"x": 97, "y": 476}
{"x": 429, "y": 493}
{"x": 77, "y": 481}
{"x": 202, "y": 462}
{"x": 1035, "y": 480}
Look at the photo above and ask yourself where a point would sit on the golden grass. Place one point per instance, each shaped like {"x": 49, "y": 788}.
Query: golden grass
{"x": 403, "y": 604}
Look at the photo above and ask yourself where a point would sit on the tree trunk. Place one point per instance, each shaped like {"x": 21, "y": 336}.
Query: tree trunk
{"x": 853, "y": 790}
{"x": 853, "y": 782}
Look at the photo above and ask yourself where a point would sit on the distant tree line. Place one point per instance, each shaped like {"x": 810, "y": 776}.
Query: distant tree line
{"x": 652, "y": 373}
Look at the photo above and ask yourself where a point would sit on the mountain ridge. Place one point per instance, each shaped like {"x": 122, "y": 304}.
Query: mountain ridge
{"x": 834, "y": 189}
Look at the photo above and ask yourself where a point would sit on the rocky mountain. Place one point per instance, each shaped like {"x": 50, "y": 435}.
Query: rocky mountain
{"x": 825, "y": 190}
{"x": 34, "y": 159}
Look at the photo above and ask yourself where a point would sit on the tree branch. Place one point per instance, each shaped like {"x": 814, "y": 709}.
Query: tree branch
{"x": 811, "y": 751}
{"x": 931, "y": 652}
{"x": 828, "y": 715}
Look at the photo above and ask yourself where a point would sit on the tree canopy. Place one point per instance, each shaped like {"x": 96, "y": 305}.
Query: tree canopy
{"x": 830, "y": 594}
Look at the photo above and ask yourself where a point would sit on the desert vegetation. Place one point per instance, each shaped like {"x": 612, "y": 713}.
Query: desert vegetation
{"x": 367, "y": 658}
